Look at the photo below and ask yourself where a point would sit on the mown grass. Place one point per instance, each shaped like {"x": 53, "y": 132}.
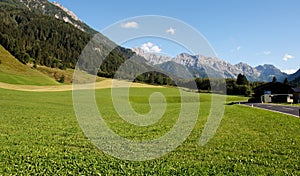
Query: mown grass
{"x": 14, "y": 72}
{"x": 26, "y": 80}
{"x": 39, "y": 134}
{"x": 286, "y": 104}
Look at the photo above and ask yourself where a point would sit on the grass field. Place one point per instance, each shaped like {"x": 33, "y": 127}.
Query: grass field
{"x": 14, "y": 72}
{"x": 56, "y": 74}
{"x": 39, "y": 134}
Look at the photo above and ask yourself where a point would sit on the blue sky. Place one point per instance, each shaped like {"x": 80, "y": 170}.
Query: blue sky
{"x": 253, "y": 31}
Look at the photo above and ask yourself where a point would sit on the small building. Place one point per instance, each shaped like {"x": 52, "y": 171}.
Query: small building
{"x": 296, "y": 95}
{"x": 267, "y": 97}
{"x": 284, "y": 98}
{"x": 275, "y": 92}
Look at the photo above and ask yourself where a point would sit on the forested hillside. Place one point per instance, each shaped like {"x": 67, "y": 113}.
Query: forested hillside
{"x": 295, "y": 82}
{"x": 36, "y": 37}
{"x": 40, "y": 39}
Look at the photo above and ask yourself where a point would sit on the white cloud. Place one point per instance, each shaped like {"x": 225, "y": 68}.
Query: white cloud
{"x": 290, "y": 71}
{"x": 236, "y": 50}
{"x": 288, "y": 57}
{"x": 150, "y": 47}
{"x": 267, "y": 53}
{"x": 171, "y": 31}
{"x": 130, "y": 25}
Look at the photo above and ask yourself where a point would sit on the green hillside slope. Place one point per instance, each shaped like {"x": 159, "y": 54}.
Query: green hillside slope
{"x": 40, "y": 39}
{"x": 14, "y": 72}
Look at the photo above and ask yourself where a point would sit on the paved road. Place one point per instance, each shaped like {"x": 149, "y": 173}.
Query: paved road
{"x": 278, "y": 108}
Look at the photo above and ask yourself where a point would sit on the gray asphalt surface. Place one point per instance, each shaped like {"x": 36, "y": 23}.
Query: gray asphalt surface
{"x": 291, "y": 110}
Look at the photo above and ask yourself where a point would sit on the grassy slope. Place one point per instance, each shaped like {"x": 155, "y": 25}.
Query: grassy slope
{"x": 14, "y": 72}
{"x": 44, "y": 137}
{"x": 56, "y": 74}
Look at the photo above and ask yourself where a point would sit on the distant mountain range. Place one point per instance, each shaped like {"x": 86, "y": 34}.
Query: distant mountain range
{"x": 198, "y": 66}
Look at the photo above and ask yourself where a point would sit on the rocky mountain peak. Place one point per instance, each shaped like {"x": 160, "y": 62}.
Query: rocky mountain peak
{"x": 34, "y": 4}
{"x": 70, "y": 13}
{"x": 152, "y": 58}
{"x": 54, "y": 9}
{"x": 185, "y": 55}
{"x": 217, "y": 67}
{"x": 242, "y": 65}
{"x": 266, "y": 66}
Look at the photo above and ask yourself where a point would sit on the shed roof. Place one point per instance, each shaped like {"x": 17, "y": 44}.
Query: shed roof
{"x": 271, "y": 85}
{"x": 297, "y": 90}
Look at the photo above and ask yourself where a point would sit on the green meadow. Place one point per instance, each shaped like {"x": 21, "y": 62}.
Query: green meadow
{"x": 13, "y": 71}
{"x": 40, "y": 135}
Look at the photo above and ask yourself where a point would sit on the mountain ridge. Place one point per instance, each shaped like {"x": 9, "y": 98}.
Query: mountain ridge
{"x": 53, "y": 9}
{"x": 216, "y": 66}
{"x": 294, "y": 75}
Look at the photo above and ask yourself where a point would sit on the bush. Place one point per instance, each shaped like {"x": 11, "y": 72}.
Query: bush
{"x": 62, "y": 79}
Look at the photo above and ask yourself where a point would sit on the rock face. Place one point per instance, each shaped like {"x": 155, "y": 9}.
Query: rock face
{"x": 214, "y": 67}
{"x": 56, "y": 10}
{"x": 153, "y": 59}
{"x": 267, "y": 72}
{"x": 70, "y": 13}
{"x": 247, "y": 69}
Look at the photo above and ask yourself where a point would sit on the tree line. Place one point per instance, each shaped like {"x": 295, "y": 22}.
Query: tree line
{"x": 239, "y": 86}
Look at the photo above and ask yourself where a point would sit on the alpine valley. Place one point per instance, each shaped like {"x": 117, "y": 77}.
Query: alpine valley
{"x": 42, "y": 33}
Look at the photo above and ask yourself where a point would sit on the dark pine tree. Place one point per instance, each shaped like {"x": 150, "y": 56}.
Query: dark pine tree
{"x": 286, "y": 81}
{"x": 242, "y": 80}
